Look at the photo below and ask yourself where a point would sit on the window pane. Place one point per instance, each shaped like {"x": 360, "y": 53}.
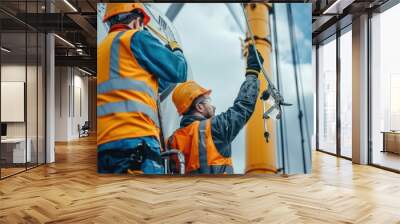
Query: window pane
{"x": 41, "y": 99}
{"x": 14, "y": 153}
{"x": 346, "y": 94}
{"x": 31, "y": 97}
{"x": 22, "y": 84}
{"x": 386, "y": 89}
{"x": 327, "y": 97}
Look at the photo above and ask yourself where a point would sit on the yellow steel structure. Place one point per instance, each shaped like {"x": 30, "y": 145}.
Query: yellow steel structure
{"x": 260, "y": 155}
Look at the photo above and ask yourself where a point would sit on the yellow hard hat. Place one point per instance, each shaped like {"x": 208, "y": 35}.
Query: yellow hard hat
{"x": 113, "y": 9}
{"x": 185, "y": 93}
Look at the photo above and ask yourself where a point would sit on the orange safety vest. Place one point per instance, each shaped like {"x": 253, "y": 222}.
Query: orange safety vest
{"x": 126, "y": 93}
{"x": 201, "y": 156}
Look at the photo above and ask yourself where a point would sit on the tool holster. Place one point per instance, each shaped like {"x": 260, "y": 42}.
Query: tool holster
{"x": 139, "y": 154}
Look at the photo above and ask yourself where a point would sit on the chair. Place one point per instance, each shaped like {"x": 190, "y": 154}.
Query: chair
{"x": 84, "y": 129}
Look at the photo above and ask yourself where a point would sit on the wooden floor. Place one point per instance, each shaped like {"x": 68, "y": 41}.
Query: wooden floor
{"x": 10, "y": 171}
{"x": 70, "y": 191}
{"x": 387, "y": 159}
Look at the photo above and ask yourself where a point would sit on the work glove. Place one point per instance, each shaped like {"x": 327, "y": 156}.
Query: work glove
{"x": 173, "y": 46}
{"x": 253, "y": 67}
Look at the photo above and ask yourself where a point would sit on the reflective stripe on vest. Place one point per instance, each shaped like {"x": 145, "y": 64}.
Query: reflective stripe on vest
{"x": 125, "y": 84}
{"x": 114, "y": 57}
{"x": 204, "y": 168}
{"x": 201, "y": 154}
{"x": 116, "y": 82}
{"x": 127, "y": 106}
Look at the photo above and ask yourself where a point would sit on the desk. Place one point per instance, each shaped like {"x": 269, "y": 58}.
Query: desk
{"x": 391, "y": 141}
{"x": 13, "y": 150}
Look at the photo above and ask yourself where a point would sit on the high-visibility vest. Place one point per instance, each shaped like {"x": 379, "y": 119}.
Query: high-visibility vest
{"x": 201, "y": 155}
{"x": 126, "y": 93}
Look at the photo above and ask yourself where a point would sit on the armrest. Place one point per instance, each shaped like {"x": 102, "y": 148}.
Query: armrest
{"x": 181, "y": 158}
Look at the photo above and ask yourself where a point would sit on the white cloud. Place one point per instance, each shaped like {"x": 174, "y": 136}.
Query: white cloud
{"x": 303, "y": 40}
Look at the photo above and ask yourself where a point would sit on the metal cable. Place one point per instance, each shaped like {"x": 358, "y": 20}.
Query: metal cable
{"x": 275, "y": 94}
{"x": 278, "y": 81}
{"x": 271, "y": 91}
{"x": 294, "y": 61}
{"x": 269, "y": 81}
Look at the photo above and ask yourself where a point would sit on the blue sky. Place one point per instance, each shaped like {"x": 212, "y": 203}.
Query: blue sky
{"x": 302, "y": 18}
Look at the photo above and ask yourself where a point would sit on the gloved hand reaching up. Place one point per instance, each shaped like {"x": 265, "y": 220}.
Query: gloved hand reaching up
{"x": 253, "y": 67}
{"x": 173, "y": 46}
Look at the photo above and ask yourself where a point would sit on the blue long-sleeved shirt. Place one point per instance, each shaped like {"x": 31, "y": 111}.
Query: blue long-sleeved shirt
{"x": 226, "y": 126}
{"x": 168, "y": 66}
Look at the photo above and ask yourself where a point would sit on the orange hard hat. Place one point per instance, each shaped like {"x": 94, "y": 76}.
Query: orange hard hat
{"x": 185, "y": 93}
{"x": 113, "y": 9}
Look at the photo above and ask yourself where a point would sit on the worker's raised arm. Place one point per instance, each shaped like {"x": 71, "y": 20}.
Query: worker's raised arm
{"x": 165, "y": 64}
{"x": 226, "y": 126}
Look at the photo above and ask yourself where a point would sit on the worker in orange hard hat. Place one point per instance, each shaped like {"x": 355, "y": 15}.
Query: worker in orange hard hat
{"x": 124, "y": 10}
{"x": 205, "y": 139}
{"x": 133, "y": 67}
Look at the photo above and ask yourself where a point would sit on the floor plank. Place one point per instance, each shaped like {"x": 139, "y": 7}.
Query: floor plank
{"x": 70, "y": 191}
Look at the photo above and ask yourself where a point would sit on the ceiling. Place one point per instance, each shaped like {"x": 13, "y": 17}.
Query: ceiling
{"x": 332, "y": 15}
{"x": 73, "y": 20}
{"x": 18, "y": 17}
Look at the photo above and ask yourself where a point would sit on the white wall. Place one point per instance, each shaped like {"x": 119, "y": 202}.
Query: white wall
{"x": 81, "y": 89}
{"x": 12, "y": 73}
{"x": 71, "y": 94}
{"x": 61, "y": 103}
{"x": 16, "y": 73}
{"x": 33, "y": 127}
